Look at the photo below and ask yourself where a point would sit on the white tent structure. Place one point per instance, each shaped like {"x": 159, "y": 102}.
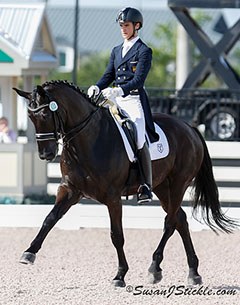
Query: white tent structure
{"x": 26, "y": 50}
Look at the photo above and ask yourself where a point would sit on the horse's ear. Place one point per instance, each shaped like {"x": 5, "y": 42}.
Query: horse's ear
{"x": 27, "y": 95}
{"x": 41, "y": 91}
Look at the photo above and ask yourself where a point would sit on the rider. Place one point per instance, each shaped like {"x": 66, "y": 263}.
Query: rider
{"x": 128, "y": 67}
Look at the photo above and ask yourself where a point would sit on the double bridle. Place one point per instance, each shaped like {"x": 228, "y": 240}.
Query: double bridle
{"x": 59, "y": 132}
{"x": 46, "y": 136}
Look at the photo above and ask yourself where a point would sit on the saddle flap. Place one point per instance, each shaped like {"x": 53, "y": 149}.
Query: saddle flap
{"x": 131, "y": 133}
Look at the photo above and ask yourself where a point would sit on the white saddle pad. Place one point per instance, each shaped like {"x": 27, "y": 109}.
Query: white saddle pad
{"x": 158, "y": 150}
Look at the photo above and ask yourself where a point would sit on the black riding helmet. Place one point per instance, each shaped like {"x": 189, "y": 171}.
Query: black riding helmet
{"x": 129, "y": 14}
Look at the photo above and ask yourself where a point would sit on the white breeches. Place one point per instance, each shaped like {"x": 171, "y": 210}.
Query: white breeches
{"x": 131, "y": 104}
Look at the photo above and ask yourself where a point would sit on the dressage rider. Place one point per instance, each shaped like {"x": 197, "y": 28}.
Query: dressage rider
{"x": 128, "y": 67}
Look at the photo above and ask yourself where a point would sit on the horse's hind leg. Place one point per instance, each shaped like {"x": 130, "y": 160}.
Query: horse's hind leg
{"x": 115, "y": 212}
{"x": 182, "y": 226}
{"x": 65, "y": 199}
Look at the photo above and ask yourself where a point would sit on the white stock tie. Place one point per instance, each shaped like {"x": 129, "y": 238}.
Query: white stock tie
{"x": 125, "y": 50}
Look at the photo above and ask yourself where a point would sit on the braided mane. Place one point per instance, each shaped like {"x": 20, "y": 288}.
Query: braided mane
{"x": 65, "y": 82}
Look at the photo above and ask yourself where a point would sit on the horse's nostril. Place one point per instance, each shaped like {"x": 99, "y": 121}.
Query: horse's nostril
{"x": 46, "y": 156}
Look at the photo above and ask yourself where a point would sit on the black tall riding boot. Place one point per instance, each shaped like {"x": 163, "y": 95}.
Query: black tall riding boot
{"x": 144, "y": 191}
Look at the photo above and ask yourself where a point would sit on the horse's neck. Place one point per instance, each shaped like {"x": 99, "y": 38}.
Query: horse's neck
{"x": 99, "y": 130}
{"x": 78, "y": 109}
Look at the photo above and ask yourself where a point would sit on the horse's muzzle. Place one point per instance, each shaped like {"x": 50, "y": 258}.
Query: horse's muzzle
{"x": 47, "y": 150}
{"x": 49, "y": 156}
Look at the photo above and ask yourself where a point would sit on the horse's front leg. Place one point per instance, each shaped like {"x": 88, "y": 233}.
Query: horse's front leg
{"x": 115, "y": 212}
{"x": 65, "y": 199}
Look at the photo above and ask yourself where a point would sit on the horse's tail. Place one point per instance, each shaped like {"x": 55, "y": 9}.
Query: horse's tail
{"x": 206, "y": 195}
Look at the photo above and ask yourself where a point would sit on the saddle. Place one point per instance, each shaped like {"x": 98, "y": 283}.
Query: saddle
{"x": 127, "y": 125}
{"x": 128, "y": 131}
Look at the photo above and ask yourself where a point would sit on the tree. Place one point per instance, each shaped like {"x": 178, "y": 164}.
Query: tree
{"x": 162, "y": 73}
{"x": 90, "y": 70}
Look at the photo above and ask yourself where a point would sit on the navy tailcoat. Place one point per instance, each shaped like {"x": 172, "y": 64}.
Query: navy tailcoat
{"x": 129, "y": 72}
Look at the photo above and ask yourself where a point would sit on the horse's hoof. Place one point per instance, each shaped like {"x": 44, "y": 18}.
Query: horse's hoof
{"x": 154, "y": 277}
{"x": 28, "y": 258}
{"x": 196, "y": 280}
{"x": 118, "y": 283}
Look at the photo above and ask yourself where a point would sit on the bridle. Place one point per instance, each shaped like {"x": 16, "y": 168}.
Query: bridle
{"x": 56, "y": 134}
{"x": 59, "y": 132}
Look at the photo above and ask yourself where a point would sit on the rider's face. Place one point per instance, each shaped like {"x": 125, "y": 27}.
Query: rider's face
{"x": 127, "y": 30}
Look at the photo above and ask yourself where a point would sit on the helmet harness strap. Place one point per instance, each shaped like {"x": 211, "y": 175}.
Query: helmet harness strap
{"x": 134, "y": 30}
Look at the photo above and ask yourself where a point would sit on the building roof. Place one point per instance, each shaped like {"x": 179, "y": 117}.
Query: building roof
{"x": 98, "y": 31}
{"x": 25, "y": 37}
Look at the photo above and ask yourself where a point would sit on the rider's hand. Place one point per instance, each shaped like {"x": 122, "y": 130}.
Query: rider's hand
{"x": 112, "y": 93}
{"x": 93, "y": 91}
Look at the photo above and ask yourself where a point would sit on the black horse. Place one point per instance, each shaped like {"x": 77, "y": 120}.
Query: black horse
{"x": 94, "y": 164}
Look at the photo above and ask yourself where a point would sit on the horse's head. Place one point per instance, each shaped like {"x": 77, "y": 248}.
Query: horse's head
{"x": 43, "y": 112}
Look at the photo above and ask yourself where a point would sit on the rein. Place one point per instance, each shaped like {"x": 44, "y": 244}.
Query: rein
{"x": 76, "y": 130}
